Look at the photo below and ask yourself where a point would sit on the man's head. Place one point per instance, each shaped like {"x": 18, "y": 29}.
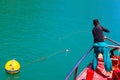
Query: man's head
{"x": 95, "y": 22}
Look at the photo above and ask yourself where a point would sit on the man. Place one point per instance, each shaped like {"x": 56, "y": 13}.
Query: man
{"x": 100, "y": 46}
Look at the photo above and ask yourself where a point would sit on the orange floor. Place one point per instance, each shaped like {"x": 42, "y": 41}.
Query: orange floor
{"x": 99, "y": 74}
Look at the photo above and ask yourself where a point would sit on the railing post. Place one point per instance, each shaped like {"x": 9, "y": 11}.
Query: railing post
{"x": 75, "y": 74}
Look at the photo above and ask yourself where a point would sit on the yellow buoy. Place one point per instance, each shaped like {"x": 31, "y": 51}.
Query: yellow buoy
{"x": 12, "y": 66}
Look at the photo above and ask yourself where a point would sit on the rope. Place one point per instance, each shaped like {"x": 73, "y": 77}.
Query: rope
{"x": 44, "y": 58}
{"x": 73, "y": 33}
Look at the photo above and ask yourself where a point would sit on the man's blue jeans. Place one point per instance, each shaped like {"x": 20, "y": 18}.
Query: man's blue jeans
{"x": 102, "y": 47}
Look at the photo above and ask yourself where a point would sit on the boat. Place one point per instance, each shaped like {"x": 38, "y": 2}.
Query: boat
{"x": 100, "y": 74}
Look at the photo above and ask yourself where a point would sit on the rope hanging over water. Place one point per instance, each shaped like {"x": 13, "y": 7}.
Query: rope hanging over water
{"x": 45, "y": 57}
{"x": 51, "y": 55}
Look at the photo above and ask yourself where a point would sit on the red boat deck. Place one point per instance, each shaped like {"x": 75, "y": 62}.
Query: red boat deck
{"x": 99, "y": 74}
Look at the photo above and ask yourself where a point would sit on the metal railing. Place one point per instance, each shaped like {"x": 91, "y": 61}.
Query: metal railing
{"x": 111, "y": 40}
{"x": 75, "y": 68}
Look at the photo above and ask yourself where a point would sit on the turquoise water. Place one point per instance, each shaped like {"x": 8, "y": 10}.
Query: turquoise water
{"x": 37, "y": 33}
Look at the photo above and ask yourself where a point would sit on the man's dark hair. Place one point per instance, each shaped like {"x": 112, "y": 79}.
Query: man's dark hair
{"x": 95, "y": 22}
